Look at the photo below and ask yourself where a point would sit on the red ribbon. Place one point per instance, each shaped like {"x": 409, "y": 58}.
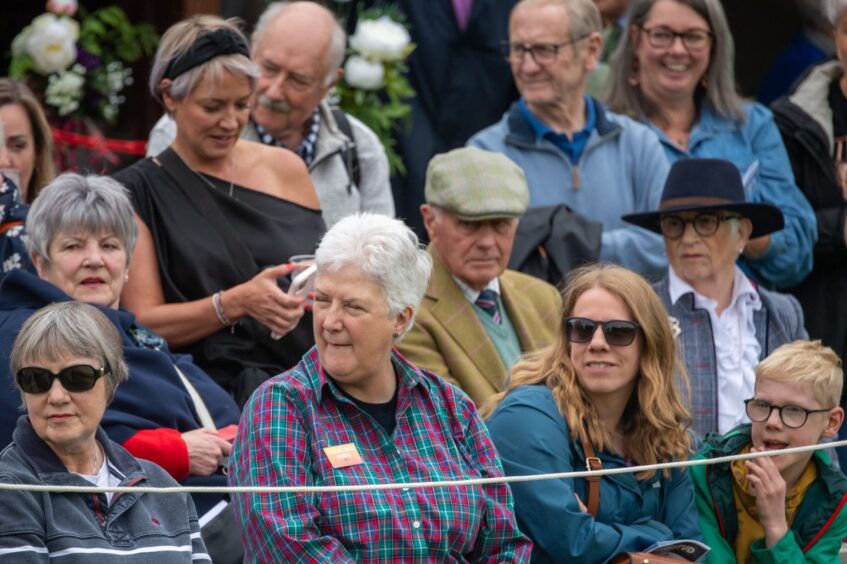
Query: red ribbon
{"x": 99, "y": 143}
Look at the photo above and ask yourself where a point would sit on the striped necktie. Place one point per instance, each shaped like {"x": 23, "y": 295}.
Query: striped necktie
{"x": 487, "y": 301}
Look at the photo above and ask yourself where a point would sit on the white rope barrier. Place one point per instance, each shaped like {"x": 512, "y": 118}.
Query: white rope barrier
{"x": 415, "y": 485}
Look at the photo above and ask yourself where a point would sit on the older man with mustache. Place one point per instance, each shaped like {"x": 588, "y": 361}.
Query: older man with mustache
{"x": 299, "y": 47}
{"x": 477, "y": 318}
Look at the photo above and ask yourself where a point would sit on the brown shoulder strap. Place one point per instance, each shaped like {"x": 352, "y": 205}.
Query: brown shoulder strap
{"x": 592, "y": 483}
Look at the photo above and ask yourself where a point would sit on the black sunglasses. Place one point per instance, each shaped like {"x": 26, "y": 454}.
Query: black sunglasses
{"x": 76, "y": 378}
{"x": 616, "y": 333}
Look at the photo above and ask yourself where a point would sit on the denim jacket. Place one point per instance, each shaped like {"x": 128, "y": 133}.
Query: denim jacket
{"x": 756, "y": 148}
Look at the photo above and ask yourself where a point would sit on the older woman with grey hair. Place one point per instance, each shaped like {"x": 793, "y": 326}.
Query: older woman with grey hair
{"x": 81, "y": 235}
{"x": 219, "y": 217}
{"x": 674, "y": 72}
{"x": 68, "y": 363}
{"x": 355, "y": 412}
{"x": 813, "y": 122}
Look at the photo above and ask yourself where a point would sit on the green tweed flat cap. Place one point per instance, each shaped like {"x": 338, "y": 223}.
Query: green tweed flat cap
{"x": 476, "y": 185}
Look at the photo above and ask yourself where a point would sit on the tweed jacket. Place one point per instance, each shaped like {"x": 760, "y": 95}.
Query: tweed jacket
{"x": 779, "y": 321}
{"x": 449, "y": 340}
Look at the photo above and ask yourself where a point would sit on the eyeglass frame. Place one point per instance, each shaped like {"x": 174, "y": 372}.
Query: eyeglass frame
{"x": 98, "y": 374}
{"x": 722, "y": 217}
{"x": 602, "y": 326}
{"x": 779, "y": 408}
{"x": 506, "y": 47}
{"x": 710, "y": 36}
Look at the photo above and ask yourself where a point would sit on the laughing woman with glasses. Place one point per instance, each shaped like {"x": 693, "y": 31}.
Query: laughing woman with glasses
{"x": 603, "y": 393}
{"x": 674, "y": 73}
{"x": 68, "y": 362}
{"x": 728, "y": 322}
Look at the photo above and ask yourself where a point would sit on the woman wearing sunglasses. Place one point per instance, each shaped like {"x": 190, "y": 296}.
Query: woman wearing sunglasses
{"x": 728, "y": 322}
{"x": 68, "y": 362}
{"x": 80, "y": 235}
{"x": 605, "y": 390}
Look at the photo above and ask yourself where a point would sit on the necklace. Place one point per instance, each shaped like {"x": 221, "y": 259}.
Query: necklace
{"x": 96, "y": 466}
{"x": 202, "y": 177}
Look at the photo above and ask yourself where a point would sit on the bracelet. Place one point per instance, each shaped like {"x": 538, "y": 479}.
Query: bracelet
{"x": 219, "y": 309}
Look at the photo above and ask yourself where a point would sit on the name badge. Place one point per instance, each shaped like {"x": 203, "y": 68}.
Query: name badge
{"x": 342, "y": 456}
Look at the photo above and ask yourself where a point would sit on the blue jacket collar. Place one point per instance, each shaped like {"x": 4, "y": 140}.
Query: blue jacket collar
{"x": 522, "y": 132}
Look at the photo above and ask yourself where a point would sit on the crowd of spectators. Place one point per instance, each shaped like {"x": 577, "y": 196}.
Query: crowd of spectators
{"x": 679, "y": 247}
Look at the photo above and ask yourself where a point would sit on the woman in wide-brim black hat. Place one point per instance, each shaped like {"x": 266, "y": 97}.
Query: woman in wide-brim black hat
{"x": 728, "y": 323}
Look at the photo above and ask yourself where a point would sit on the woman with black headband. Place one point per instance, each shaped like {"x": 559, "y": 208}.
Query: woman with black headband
{"x": 219, "y": 217}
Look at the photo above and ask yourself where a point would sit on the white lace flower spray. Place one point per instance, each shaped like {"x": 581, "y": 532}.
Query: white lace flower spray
{"x": 64, "y": 90}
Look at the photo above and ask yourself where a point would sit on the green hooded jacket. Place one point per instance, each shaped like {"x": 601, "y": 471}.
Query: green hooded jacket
{"x": 819, "y": 525}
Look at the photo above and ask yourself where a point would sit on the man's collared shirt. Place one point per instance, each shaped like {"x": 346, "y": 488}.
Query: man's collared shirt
{"x": 438, "y": 436}
{"x": 472, "y": 295}
{"x": 737, "y": 350}
{"x": 571, "y": 147}
{"x": 306, "y": 150}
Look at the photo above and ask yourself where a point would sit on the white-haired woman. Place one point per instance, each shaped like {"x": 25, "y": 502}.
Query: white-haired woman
{"x": 813, "y": 122}
{"x": 674, "y": 72}
{"x": 68, "y": 362}
{"x": 354, "y": 412}
{"x": 219, "y": 217}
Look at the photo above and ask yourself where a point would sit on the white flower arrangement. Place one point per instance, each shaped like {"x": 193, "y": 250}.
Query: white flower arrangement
{"x": 80, "y": 65}
{"x": 374, "y": 86}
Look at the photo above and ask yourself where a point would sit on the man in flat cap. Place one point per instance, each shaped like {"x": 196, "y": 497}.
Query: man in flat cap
{"x": 477, "y": 317}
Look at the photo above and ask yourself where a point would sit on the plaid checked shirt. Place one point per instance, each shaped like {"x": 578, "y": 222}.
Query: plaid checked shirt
{"x": 439, "y": 436}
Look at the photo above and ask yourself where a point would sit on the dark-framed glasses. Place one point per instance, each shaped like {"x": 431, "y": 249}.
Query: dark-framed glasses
{"x": 662, "y": 37}
{"x": 541, "y": 53}
{"x": 76, "y": 378}
{"x": 617, "y": 333}
{"x": 705, "y": 224}
{"x": 792, "y": 416}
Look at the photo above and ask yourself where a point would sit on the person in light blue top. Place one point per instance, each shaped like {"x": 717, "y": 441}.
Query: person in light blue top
{"x": 606, "y": 388}
{"x": 573, "y": 151}
{"x": 675, "y": 74}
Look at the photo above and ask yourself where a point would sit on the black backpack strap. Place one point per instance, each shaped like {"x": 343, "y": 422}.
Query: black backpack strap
{"x": 349, "y": 153}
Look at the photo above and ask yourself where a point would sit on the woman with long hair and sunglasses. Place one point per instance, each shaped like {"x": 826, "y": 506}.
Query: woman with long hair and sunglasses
{"x": 68, "y": 362}
{"x": 675, "y": 73}
{"x": 727, "y": 322}
{"x": 606, "y": 390}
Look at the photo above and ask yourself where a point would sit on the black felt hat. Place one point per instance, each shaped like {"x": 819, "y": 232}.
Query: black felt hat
{"x": 708, "y": 184}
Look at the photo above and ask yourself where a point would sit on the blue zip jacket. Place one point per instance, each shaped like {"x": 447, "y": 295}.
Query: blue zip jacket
{"x": 757, "y": 147}
{"x": 621, "y": 170}
{"x": 532, "y": 437}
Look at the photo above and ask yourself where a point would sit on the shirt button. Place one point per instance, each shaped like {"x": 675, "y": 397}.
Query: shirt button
{"x": 416, "y": 524}
{"x": 405, "y": 489}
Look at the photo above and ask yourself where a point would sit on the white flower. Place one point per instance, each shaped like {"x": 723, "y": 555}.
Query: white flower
{"x": 14, "y": 231}
{"x": 62, "y": 7}
{"x": 14, "y": 261}
{"x": 381, "y": 39}
{"x": 676, "y": 327}
{"x": 64, "y": 90}
{"x": 364, "y": 74}
{"x": 51, "y": 42}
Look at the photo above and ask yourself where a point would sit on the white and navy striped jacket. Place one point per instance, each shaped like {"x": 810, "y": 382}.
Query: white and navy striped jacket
{"x": 71, "y": 528}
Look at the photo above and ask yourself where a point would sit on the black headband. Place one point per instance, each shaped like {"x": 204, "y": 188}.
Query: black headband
{"x": 213, "y": 44}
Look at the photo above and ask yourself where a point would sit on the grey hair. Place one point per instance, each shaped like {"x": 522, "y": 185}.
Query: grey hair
{"x": 583, "y": 15}
{"x": 71, "y": 329}
{"x": 626, "y": 98}
{"x": 80, "y": 204}
{"x": 833, "y": 10}
{"x": 388, "y": 253}
{"x": 179, "y": 38}
{"x": 338, "y": 41}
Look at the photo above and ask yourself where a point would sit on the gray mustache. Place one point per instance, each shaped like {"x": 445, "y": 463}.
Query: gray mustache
{"x": 279, "y": 106}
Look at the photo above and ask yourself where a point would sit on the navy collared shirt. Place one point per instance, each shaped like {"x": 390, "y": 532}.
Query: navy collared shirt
{"x": 571, "y": 147}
